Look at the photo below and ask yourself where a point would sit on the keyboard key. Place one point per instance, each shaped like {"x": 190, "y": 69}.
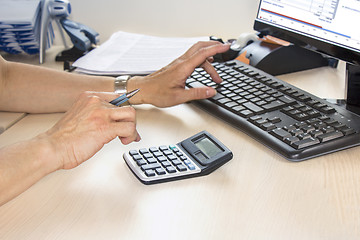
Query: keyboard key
{"x": 280, "y": 133}
{"x": 253, "y": 107}
{"x": 274, "y": 119}
{"x": 268, "y": 126}
{"x": 246, "y": 113}
{"x": 291, "y": 140}
{"x": 196, "y": 85}
{"x": 305, "y": 143}
{"x": 274, "y": 105}
{"x": 348, "y": 131}
{"x": 287, "y": 100}
{"x": 330, "y": 136}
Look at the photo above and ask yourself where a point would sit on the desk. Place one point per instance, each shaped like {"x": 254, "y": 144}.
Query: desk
{"x": 257, "y": 195}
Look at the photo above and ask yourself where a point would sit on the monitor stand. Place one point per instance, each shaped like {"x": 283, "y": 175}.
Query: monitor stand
{"x": 277, "y": 59}
{"x": 352, "y": 88}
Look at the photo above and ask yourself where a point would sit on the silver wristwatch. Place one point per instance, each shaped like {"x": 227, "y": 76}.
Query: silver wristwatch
{"x": 120, "y": 84}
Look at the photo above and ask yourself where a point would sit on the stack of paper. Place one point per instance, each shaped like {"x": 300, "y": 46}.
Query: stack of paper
{"x": 20, "y": 26}
{"x": 128, "y": 53}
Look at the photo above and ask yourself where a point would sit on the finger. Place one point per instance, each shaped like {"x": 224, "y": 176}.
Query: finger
{"x": 202, "y": 54}
{"x": 126, "y": 140}
{"x": 197, "y": 46}
{"x": 211, "y": 71}
{"x": 210, "y": 59}
{"x": 127, "y": 132}
{"x": 126, "y": 114}
{"x": 196, "y": 94}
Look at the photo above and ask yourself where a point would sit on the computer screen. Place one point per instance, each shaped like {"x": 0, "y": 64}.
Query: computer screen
{"x": 327, "y": 26}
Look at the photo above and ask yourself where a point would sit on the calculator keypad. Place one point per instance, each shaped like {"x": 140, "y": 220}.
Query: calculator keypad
{"x": 160, "y": 162}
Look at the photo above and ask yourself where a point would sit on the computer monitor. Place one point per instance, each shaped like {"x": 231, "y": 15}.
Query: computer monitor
{"x": 326, "y": 26}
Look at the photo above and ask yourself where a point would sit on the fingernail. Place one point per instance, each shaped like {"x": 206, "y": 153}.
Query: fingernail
{"x": 210, "y": 92}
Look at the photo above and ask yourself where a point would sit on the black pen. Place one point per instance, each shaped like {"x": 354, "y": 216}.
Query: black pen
{"x": 124, "y": 98}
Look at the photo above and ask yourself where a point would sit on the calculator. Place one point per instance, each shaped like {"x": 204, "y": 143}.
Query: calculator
{"x": 195, "y": 156}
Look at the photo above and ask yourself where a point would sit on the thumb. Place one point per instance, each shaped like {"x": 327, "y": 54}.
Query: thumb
{"x": 200, "y": 93}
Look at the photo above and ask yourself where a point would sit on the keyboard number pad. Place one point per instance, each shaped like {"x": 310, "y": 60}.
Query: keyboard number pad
{"x": 164, "y": 161}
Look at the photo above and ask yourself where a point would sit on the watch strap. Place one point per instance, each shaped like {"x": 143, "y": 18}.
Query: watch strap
{"x": 120, "y": 84}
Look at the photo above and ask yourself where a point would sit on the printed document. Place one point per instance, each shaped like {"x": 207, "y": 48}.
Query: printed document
{"x": 129, "y": 53}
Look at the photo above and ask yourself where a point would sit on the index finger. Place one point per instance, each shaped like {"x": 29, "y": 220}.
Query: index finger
{"x": 209, "y": 68}
{"x": 202, "y": 44}
{"x": 201, "y": 55}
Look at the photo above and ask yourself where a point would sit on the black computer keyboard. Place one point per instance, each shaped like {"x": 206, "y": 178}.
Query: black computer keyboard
{"x": 292, "y": 122}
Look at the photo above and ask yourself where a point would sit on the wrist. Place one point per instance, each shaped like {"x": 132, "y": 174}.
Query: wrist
{"x": 48, "y": 154}
{"x": 135, "y": 83}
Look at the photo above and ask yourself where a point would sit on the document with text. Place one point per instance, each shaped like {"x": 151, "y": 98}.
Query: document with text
{"x": 129, "y": 53}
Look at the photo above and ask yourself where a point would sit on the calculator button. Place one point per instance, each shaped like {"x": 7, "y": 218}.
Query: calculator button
{"x": 179, "y": 154}
{"x": 172, "y": 157}
{"x": 150, "y": 173}
{"x": 187, "y": 162}
{"x": 153, "y": 149}
{"x": 163, "y": 148}
{"x": 150, "y": 166}
{"x": 171, "y": 169}
{"x": 167, "y": 152}
{"x": 161, "y": 158}
{"x": 141, "y": 162}
{"x": 151, "y": 160}
{"x": 191, "y": 166}
{"x": 137, "y": 157}
{"x": 157, "y": 154}
{"x": 181, "y": 167}
{"x": 173, "y": 147}
{"x": 176, "y": 162}
{"x": 166, "y": 164}
{"x": 147, "y": 155}
{"x": 160, "y": 171}
{"x": 133, "y": 152}
{"x": 143, "y": 151}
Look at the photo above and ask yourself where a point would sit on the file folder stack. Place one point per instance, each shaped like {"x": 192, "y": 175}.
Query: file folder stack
{"x": 20, "y": 23}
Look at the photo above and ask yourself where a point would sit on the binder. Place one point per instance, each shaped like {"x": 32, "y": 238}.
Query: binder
{"x": 20, "y": 24}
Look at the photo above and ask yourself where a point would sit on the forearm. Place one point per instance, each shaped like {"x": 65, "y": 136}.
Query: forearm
{"x": 26, "y": 88}
{"x": 23, "y": 164}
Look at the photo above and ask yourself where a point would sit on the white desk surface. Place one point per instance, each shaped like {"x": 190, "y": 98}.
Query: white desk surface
{"x": 257, "y": 195}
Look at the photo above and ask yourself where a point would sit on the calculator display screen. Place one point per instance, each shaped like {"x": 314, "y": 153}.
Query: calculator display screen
{"x": 208, "y": 147}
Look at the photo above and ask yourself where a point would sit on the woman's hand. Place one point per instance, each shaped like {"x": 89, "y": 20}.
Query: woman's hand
{"x": 88, "y": 125}
{"x": 166, "y": 87}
